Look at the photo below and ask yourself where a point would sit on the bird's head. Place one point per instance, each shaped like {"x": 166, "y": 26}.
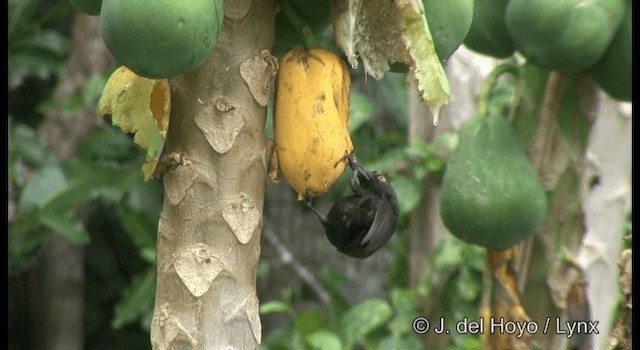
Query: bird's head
{"x": 372, "y": 182}
{"x": 378, "y": 185}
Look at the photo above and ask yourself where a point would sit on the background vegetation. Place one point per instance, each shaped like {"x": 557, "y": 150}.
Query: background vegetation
{"x": 96, "y": 200}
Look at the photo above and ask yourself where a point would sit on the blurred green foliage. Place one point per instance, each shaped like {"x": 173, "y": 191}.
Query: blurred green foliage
{"x": 453, "y": 285}
{"x": 99, "y": 200}
{"x": 96, "y": 199}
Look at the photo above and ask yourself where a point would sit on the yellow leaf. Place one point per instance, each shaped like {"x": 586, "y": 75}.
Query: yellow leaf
{"x": 141, "y": 106}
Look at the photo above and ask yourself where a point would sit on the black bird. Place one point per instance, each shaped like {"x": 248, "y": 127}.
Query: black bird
{"x": 359, "y": 224}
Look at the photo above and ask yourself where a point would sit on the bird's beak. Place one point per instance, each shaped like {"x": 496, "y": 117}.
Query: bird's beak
{"x": 358, "y": 168}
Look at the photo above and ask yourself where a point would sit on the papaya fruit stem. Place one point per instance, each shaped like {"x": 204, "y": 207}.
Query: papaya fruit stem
{"x": 541, "y": 148}
{"x": 485, "y": 301}
{"x": 489, "y": 84}
{"x": 301, "y": 26}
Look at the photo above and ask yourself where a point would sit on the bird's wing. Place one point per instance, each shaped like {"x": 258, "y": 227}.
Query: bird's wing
{"x": 382, "y": 228}
{"x": 379, "y": 232}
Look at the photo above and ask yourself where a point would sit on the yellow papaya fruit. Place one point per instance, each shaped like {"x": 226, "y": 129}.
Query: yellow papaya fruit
{"x": 311, "y": 120}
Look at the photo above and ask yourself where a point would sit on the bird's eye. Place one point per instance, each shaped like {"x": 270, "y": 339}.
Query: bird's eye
{"x": 381, "y": 178}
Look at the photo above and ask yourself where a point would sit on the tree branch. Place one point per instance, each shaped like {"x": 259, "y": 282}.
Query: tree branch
{"x": 287, "y": 258}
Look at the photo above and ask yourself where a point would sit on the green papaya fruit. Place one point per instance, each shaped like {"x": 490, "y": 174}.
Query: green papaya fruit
{"x": 568, "y": 36}
{"x": 488, "y": 34}
{"x": 89, "y": 7}
{"x": 613, "y": 71}
{"x": 161, "y": 38}
{"x": 449, "y": 22}
{"x": 491, "y": 194}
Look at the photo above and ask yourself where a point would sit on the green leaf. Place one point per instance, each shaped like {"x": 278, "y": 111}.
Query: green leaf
{"x": 92, "y": 90}
{"x": 469, "y": 285}
{"x": 309, "y": 322}
{"x": 431, "y": 154}
{"x": 24, "y": 65}
{"x": 146, "y": 320}
{"x": 137, "y": 299}
{"x": 90, "y": 180}
{"x": 450, "y": 257}
{"x": 38, "y": 53}
{"x": 49, "y": 40}
{"x": 449, "y": 254}
{"x": 404, "y": 305}
{"x": 324, "y": 340}
{"x": 68, "y": 107}
{"x": 388, "y": 161}
{"x": 148, "y": 254}
{"x": 263, "y": 270}
{"x": 147, "y": 198}
{"x": 42, "y": 188}
{"x": 23, "y": 223}
{"x": 19, "y": 14}
{"x": 51, "y": 191}
{"x": 76, "y": 191}
{"x": 408, "y": 191}
{"x": 66, "y": 225}
{"x": 24, "y": 239}
{"x": 360, "y": 110}
{"x": 332, "y": 280}
{"x": 33, "y": 62}
{"x": 362, "y": 319}
{"x": 400, "y": 343}
{"x": 272, "y": 307}
{"x": 283, "y": 338}
{"x": 26, "y": 145}
{"x": 390, "y": 94}
{"x": 140, "y": 227}
{"x": 107, "y": 144}
{"x": 466, "y": 341}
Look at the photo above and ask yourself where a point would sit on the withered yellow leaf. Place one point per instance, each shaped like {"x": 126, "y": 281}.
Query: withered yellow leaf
{"x": 141, "y": 106}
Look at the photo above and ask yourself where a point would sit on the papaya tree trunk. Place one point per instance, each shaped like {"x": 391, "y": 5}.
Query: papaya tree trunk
{"x": 209, "y": 230}
{"x": 424, "y": 225}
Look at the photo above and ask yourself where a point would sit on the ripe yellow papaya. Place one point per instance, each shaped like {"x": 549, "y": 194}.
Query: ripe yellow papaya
{"x": 311, "y": 120}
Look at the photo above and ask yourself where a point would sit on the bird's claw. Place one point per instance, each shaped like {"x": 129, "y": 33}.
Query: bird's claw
{"x": 307, "y": 199}
{"x": 354, "y": 183}
{"x": 353, "y": 162}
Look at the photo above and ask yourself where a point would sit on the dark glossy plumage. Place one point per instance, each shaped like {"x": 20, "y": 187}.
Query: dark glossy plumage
{"x": 359, "y": 224}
